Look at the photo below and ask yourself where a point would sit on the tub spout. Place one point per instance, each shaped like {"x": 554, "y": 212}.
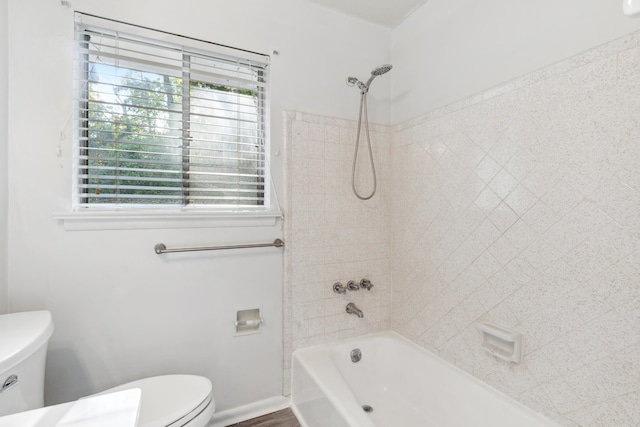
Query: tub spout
{"x": 352, "y": 309}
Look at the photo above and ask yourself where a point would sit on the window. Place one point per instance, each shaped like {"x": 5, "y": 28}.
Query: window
{"x": 164, "y": 124}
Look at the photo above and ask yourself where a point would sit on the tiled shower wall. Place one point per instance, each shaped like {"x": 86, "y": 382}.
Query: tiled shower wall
{"x": 521, "y": 206}
{"x": 331, "y": 235}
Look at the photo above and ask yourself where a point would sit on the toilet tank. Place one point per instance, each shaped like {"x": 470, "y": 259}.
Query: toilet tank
{"x": 23, "y": 351}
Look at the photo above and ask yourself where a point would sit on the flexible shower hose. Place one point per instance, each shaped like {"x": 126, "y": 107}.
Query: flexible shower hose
{"x": 363, "y": 108}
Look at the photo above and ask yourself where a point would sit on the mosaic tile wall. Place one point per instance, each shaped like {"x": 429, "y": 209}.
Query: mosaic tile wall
{"x": 521, "y": 206}
{"x": 331, "y": 235}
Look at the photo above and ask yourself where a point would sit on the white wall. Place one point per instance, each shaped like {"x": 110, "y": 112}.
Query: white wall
{"x": 449, "y": 50}
{"x": 4, "y": 32}
{"x": 121, "y": 311}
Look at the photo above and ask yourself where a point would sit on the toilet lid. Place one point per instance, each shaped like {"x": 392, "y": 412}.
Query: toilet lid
{"x": 168, "y": 398}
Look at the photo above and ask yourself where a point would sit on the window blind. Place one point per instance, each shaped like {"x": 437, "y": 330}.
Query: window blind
{"x": 163, "y": 124}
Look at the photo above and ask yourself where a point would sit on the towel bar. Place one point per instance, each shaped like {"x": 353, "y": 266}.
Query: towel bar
{"x": 160, "y": 248}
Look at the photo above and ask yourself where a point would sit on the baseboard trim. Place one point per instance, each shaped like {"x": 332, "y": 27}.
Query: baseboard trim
{"x": 247, "y": 412}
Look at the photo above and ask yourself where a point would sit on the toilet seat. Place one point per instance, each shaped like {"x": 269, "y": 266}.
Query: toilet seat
{"x": 172, "y": 400}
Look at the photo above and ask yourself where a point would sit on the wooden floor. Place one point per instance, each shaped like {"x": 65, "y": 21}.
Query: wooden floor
{"x": 284, "y": 418}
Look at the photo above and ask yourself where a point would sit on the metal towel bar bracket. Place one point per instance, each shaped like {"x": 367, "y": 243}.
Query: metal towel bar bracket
{"x": 160, "y": 248}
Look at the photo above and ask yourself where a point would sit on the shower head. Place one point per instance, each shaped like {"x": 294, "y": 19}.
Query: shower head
{"x": 381, "y": 70}
{"x": 364, "y": 87}
{"x": 378, "y": 71}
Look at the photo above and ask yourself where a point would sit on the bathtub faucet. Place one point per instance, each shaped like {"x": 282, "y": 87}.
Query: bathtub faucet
{"x": 352, "y": 309}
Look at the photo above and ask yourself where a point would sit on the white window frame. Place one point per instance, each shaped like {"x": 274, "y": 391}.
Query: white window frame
{"x": 158, "y": 216}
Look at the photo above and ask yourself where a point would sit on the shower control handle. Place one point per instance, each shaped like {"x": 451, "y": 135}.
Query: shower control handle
{"x": 353, "y": 286}
{"x": 366, "y": 284}
{"x": 339, "y": 288}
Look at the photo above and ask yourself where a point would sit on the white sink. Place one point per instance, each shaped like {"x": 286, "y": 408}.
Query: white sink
{"x": 109, "y": 410}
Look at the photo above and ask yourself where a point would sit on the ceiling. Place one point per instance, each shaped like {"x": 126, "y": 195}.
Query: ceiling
{"x": 388, "y": 13}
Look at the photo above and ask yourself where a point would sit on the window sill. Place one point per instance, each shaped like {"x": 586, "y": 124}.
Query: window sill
{"x": 133, "y": 220}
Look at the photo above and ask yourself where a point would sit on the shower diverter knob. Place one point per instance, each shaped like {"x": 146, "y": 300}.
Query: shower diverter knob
{"x": 366, "y": 283}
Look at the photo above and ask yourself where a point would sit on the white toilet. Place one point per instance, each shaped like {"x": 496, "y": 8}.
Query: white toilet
{"x": 166, "y": 401}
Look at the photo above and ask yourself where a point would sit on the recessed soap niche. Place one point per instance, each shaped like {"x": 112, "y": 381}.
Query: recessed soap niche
{"x": 503, "y": 343}
{"x": 248, "y": 321}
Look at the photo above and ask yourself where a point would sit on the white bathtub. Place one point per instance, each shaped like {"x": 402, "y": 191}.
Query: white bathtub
{"x": 403, "y": 383}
